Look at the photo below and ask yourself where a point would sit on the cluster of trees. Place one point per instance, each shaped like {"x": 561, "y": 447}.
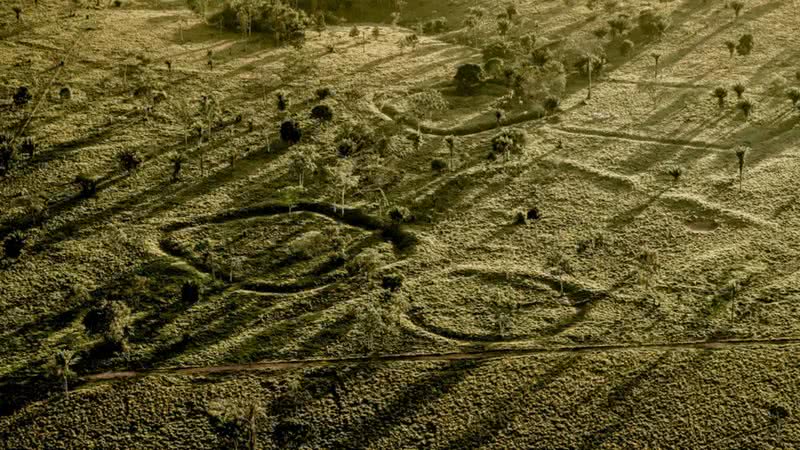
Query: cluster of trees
{"x": 745, "y": 105}
{"x": 287, "y": 24}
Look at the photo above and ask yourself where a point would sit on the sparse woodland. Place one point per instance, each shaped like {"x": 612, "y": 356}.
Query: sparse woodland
{"x": 252, "y": 224}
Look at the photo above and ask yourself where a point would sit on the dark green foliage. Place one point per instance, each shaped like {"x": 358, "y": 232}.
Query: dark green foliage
{"x": 653, "y": 24}
{"x": 190, "y": 292}
{"x": 177, "y": 164}
{"x": 282, "y": 99}
{"x": 736, "y": 6}
{"x": 675, "y": 173}
{"x": 8, "y": 153}
{"x": 18, "y": 12}
{"x": 400, "y": 214}
{"x": 745, "y": 45}
{"x": 346, "y": 147}
{"x": 111, "y": 320}
{"x": 291, "y": 132}
{"x": 619, "y": 25}
{"x": 499, "y": 49}
{"x": 129, "y": 160}
{"x": 88, "y": 185}
{"x": 323, "y": 113}
{"x": 468, "y": 76}
{"x": 509, "y": 140}
{"x": 354, "y": 137}
{"x": 598, "y": 63}
{"x": 285, "y": 23}
{"x": 65, "y": 93}
{"x": 533, "y": 214}
{"x": 14, "y": 243}
{"x": 291, "y": 433}
{"x": 551, "y": 104}
{"x": 520, "y": 219}
{"x": 793, "y": 94}
{"x": 731, "y": 46}
{"x": 29, "y": 146}
{"x": 435, "y": 26}
{"x": 746, "y": 107}
{"x": 541, "y": 56}
{"x": 438, "y": 165}
{"x": 22, "y": 96}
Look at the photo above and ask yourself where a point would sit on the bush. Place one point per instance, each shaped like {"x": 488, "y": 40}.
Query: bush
{"x": 400, "y": 214}
{"x": 653, "y": 24}
{"x": 499, "y": 49}
{"x": 739, "y": 89}
{"x": 533, "y": 214}
{"x": 286, "y": 23}
{"x": 14, "y": 243}
{"x": 22, "y": 96}
{"x": 746, "y": 107}
{"x": 494, "y": 68}
{"x": 359, "y": 134}
{"x": 720, "y": 93}
{"x": 323, "y": 113}
{"x": 745, "y": 45}
{"x": 793, "y": 94}
{"x": 129, "y": 160}
{"x": 626, "y": 47}
{"x": 541, "y": 56}
{"x": 323, "y": 93}
{"x": 110, "y": 319}
{"x": 438, "y": 165}
{"x": 290, "y": 132}
{"x": 520, "y": 219}
{"x": 551, "y": 104}
{"x": 65, "y": 93}
{"x": 291, "y": 433}
{"x": 29, "y": 146}
{"x": 8, "y": 153}
{"x": 367, "y": 262}
{"x": 308, "y": 245}
{"x": 511, "y": 140}
{"x": 468, "y": 76}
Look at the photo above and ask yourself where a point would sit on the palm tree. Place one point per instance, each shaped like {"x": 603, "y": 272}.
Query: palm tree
{"x": 61, "y": 366}
{"x": 731, "y": 47}
{"x": 739, "y": 89}
{"x": 451, "y": 144}
{"x": 746, "y": 106}
{"x": 656, "y": 56}
{"x": 720, "y": 93}
{"x": 740, "y": 154}
{"x": 737, "y": 8}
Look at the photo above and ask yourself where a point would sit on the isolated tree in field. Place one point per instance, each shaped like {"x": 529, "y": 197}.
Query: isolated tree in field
{"x": 746, "y": 107}
{"x": 745, "y": 45}
{"x": 322, "y": 113}
{"x": 323, "y": 93}
{"x": 560, "y": 265}
{"x": 110, "y": 319}
{"x": 22, "y": 96}
{"x": 176, "y": 161}
{"x": 129, "y": 160}
{"x": 720, "y": 93}
{"x": 303, "y": 162}
{"x": 731, "y": 46}
{"x": 291, "y": 132}
{"x": 739, "y": 89}
{"x": 29, "y": 146}
{"x": 355, "y": 32}
{"x": 468, "y": 76}
{"x": 18, "y": 11}
{"x": 648, "y": 266}
{"x": 451, "y": 148}
{"x": 60, "y": 366}
{"x": 410, "y": 40}
{"x": 740, "y": 156}
{"x": 499, "y": 115}
{"x": 626, "y": 47}
{"x": 656, "y": 57}
{"x": 793, "y": 94}
{"x": 508, "y": 141}
{"x": 653, "y": 24}
{"x": 736, "y": 6}
{"x": 344, "y": 179}
{"x": 14, "y": 243}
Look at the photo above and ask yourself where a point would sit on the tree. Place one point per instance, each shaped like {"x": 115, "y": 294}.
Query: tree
{"x": 291, "y": 132}
{"x": 653, "y": 24}
{"x": 22, "y": 96}
{"x": 739, "y": 89}
{"x": 508, "y": 141}
{"x": 793, "y": 94}
{"x": 354, "y": 32}
{"x": 344, "y": 179}
{"x": 208, "y": 110}
{"x": 675, "y": 173}
{"x": 740, "y": 156}
{"x": 376, "y": 33}
{"x": 559, "y": 263}
{"x": 499, "y": 115}
{"x": 619, "y": 25}
{"x": 720, "y": 93}
{"x": 110, "y": 319}
{"x": 551, "y": 104}
{"x": 656, "y": 57}
{"x": 745, "y": 45}
{"x": 282, "y": 100}
{"x": 14, "y": 243}
{"x": 731, "y": 46}
{"x": 18, "y": 12}
{"x": 87, "y": 183}
{"x": 736, "y": 6}
{"x": 503, "y": 26}
{"x": 423, "y": 104}
{"x": 29, "y": 146}
{"x": 468, "y": 76}
{"x": 746, "y": 107}
{"x": 648, "y": 267}
{"x": 303, "y": 161}
{"x": 60, "y": 366}
{"x": 177, "y": 161}
{"x": 451, "y": 147}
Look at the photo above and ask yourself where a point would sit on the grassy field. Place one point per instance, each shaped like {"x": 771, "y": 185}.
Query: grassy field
{"x": 280, "y": 266}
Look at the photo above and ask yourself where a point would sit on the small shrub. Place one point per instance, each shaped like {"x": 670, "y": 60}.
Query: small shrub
{"x": 626, "y": 47}
{"x": 720, "y": 93}
{"x": 736, "y": 6}
{"x": 675, "y": 173}
{"x": 541, "y": 56}
{"x": 739, "y": 89}
{"x": 323, "y": 93}
{"x": 290, "y": 132}
{"x": 438, "y": 165}
{"x": 23, "y": 96}
{"x": 308, "y": 245}
{"x": 653, "y": 24}
{"x": 499, "y": 49}
{"x": 322, "y": 113}
{"x": 29, "y": 146}
{"x": 14, "y": 244}
{"x": 746, "y": 107}
{"x": 533, "y": 214}
{"x": 367, "y": 262}
{"x": 468, "y": 76}
{"x": 520, "y": 218}
{"x": 551, "y": 104}
{"x": 346, "y": 147}
{"x": 400, "y": 214}
{"x": 354, "y": 32}
{"x": 88, "y": 185}
{"x": 129, "y": 160}
{"x": 110, "y": 319}
{"x": 509, "y": 140}
{"x": 159, "y": 96}
{"x": 731, "y": 46}
{"x": 793, "y": 94}
{"x": 282, "y": 100}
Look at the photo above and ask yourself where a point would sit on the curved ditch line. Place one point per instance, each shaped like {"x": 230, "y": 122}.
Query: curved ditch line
{"x": 462, "y": 130}
{"x": 711, "y": 345}
{"x": 594, "y": 132}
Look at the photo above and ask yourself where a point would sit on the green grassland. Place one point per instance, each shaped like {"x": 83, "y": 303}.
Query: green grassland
{"x": 487, "y": 343}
